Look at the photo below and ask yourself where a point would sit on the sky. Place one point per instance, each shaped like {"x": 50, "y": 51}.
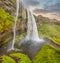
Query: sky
{"x": 46, "y": 8}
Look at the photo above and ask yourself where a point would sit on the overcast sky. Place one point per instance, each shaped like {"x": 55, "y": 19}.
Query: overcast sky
{"x": 48, "y": 8}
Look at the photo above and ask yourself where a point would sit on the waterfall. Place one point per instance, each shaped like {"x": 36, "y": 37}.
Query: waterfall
{"x": 32, "y": 32}
{"x": 14, "y": 29}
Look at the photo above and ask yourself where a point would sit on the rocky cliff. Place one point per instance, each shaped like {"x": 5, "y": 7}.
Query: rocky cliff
{"x": 10, "y": 6}
{"x": 8, "y": 10}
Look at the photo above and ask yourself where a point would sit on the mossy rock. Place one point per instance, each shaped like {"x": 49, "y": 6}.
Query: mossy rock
{"x": 22, "y": 58}
{"x": 15, "y": 57}
{"x": 7, "y": 59}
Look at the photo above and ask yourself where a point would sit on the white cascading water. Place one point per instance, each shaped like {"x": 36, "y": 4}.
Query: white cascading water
{"x": 32, "y": 32}
{"x": 14, "y": 29}
{"x": 34, "y": 35}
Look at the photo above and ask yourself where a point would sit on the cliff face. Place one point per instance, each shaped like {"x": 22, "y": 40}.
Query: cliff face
{"x": 10, "y": 7}
{"x": 9, "y": 11}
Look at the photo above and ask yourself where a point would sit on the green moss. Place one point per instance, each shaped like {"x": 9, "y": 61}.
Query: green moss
{"x": 48, "y": 54}
{"x": 15, "y": 57}
{"x": 20, "y": 37}
{"x": 22, "y": 58}
{"x": 7, "y": 59}
{"x": 50, "y": 31}
{"x": 6, "y": 21}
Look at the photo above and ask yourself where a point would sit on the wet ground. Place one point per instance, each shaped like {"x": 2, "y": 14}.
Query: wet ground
{"x": 31, "y": 48}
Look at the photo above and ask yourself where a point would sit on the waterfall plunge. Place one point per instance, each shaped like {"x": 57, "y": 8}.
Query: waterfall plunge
{"x": 32, "y": 32}
{"x": 14, "y": 28}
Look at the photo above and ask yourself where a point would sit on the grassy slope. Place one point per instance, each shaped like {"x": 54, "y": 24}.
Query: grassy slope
{"x": 50, "y": 31}
{"x": 48, "y": 54}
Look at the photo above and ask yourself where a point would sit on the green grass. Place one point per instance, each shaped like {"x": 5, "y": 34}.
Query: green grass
{"x": 50, "y": 31}
{"x": 47, "y": 54}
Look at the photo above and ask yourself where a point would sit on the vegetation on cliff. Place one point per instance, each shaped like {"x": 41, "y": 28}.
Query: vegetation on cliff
{"x": 6, "y": 21}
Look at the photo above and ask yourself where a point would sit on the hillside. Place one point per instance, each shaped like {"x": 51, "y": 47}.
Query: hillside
{"x": 44, "y": 20}
{"x": 47, "y": 28}
{"x": 48, "y": 54}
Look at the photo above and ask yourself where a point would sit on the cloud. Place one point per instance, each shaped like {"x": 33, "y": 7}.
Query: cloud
{"x": 49, "y": 9}
{"x": 49, "y": 14}
{"x": 41, "y": 11}
{"x": 54, "y": 7}
{"x": 31, "y": 2}
{"x": 52, "y": 11}
{"x": 48, "y": 5}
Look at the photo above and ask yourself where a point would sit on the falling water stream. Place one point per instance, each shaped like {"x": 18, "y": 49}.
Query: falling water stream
{"x": 14, "y": 28}
{"x": 32, "y": 32}
{"x": 31, "y": 43}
